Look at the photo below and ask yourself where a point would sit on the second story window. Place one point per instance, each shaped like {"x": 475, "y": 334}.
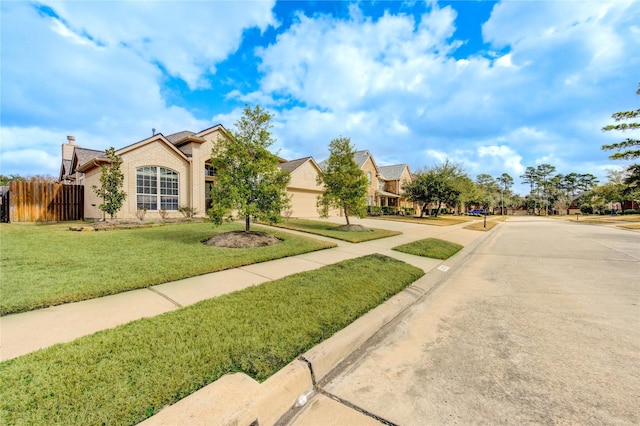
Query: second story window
{"x": 209, "y": 170}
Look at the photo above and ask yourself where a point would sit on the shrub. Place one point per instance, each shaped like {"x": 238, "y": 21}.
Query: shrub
{"x": 374, "y": 210}
{"x": 585, "y": 209}
{"x": 409, "y": 211}
{"x": 163, "y": 213}
{"x": 632, "y": 211}
{"x": 141, "y": 212}
{"x": 187, "y": 211}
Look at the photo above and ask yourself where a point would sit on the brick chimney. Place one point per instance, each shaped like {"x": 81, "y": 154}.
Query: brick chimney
{"x": 67, "y": 148}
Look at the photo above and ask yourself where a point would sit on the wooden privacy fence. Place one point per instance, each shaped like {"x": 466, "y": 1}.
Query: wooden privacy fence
{"x": 45, "y": 202}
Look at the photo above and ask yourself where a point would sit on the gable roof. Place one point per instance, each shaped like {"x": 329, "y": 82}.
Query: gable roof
{"x": 84, "y": 155}
{"x": 290, "y": 166}
{"x": 393, "y": 172}
{"x": 293, "y": 165}
{"x": 158, "y": 137}
{"x": 175, "y": 137}
{"x": 360, "y": 157}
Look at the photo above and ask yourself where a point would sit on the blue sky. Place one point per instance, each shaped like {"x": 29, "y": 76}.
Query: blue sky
{"x": 492, "y": 86}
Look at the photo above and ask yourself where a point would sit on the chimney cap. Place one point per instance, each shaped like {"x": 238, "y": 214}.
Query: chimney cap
{"x": 71, "y": 139}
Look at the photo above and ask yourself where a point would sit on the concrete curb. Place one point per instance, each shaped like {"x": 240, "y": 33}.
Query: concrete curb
{"x": 237, "y": 399}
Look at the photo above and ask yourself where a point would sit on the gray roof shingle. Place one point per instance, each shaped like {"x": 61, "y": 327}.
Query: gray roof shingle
{"x": 175, "y": 137}
{"x": 392, "y": 172}
{"x": 292, "y": 165}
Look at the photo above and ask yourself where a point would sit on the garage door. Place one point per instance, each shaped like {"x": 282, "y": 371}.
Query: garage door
{"x": 303, "y": 204}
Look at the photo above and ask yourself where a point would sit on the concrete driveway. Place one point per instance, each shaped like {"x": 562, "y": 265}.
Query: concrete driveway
{"x": 539, "y": 325}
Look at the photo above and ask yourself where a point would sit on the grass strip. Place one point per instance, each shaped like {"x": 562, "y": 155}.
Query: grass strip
{"x": 431, "y": 247}
{"x": 45, "y": 265}
{"x": 630, "y": 226}
{"x": 126, "y": 374}
{"x": 328, "y": 229}
{"x": 490, "y": 224}
{"x": 426, "y": 220}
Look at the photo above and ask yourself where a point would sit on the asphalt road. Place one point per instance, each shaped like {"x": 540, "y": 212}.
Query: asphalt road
{"x": 538, "y": 325}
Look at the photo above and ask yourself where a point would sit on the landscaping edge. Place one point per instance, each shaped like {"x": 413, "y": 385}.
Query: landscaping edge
{"x": 238, "y": 399}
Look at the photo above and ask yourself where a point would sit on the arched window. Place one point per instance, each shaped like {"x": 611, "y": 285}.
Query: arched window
{"x": 156, "y": 188}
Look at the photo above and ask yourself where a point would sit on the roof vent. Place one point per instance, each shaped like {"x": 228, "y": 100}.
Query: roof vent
{"x": 153, "y": 132}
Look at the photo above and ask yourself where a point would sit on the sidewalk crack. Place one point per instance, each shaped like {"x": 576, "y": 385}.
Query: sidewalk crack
{"x": 165, "y": 296}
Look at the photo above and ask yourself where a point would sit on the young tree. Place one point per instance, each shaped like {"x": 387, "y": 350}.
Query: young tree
{"x": 248, "y": 178}
{"x": 345, "y": 185}
{"x": 111, "y": 180}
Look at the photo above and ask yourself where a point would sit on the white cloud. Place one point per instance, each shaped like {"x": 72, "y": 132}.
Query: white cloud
{"x": 41, "y": 162}
{"x": 187, "y": 38}
{"x": 554, "y": 74}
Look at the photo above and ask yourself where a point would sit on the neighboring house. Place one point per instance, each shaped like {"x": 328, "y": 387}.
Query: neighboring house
{"x": 168, "y": 172}
{"x": 386, "y": 183}
{"x": 395, "y": 177}
{"x": 160, "y": 173}
{"x": 303, "y": 188}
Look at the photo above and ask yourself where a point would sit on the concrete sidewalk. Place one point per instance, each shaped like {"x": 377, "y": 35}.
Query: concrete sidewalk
{"x": 26, "y": 332}
{"x": 236, "y": 398}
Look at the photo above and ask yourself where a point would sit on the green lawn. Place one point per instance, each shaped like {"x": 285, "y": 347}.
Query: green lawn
{"x": 431, "y": 247}
{"x": 328, "y": 229}
{"x": 125, "y": 374}
{"x": 44, "y": 265}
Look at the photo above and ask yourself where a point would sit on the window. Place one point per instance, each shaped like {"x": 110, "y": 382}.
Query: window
{"x": 209, "y": 171}
{"x": 148, "y": 180}
{"x": 369, "y": 177}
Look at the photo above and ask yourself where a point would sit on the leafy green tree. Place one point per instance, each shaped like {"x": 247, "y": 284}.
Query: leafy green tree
{"x": 441, "y": 184}
{"x": 419, "y": 190}
{"x": 111, "y": 181}
{"x": 467, "y": 190}
{"x": 345, "y": 185}
{"x": 4, "y": 180}
{"x": 248, "y": 179}
{"x": 488, "y": 191}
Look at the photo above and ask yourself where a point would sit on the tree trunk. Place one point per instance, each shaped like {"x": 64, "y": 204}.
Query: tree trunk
{"x": 424, "y": 207}
{"x": 346, "y": 215}
{"x": 438, "y": 209}
{"x": 247, "y": 220}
